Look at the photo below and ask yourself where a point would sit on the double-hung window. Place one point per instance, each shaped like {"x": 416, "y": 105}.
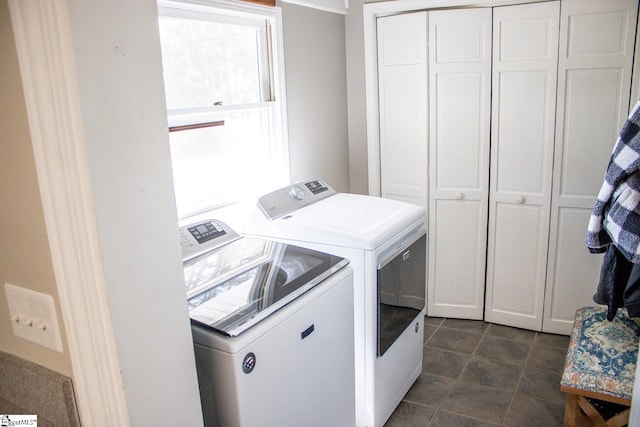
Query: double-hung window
{"x": 222, "y": 66}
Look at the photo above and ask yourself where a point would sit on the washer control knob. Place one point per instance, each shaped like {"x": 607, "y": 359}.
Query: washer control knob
{"x": 297, "y": 192}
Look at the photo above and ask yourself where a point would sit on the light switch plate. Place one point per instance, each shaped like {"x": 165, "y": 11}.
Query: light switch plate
{"x": 33, "y": 316}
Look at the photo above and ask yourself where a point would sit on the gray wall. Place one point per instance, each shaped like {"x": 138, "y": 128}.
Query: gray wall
{"x": 354, "y": 40}
{"x": 315, "y": 68}
{"x": 119, "y": 76}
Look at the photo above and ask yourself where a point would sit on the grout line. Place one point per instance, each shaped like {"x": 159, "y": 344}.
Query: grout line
{"x": 457, "y": 381}
{"x": 517, "y": 385}
{"x": 482, "y": 420}
{"x": 444, "y": 399}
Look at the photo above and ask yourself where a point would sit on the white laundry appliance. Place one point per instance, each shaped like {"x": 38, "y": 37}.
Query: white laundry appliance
{"x": 272, "y": 327}
{"x": 385, "y": 241}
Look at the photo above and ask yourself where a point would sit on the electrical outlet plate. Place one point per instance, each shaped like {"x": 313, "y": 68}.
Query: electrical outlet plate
{"x": 33, "y": 316}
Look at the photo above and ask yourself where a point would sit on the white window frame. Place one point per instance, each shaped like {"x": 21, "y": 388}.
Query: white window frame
{"x": 276, "y": 99}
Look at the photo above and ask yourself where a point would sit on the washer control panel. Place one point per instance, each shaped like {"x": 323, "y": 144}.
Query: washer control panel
{"x": 297, "y": 192}
{"x": 288, "y": 199}
{"x": 203, "y": 236}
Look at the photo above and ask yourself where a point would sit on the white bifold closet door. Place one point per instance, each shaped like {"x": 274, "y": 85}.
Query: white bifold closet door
{"x": 525, "y": 55}
{"x": 459, "y": 119}
{"x": 552, "y": 80}
{"x": 594, "y": 78}
{"x": 402, "y": 100}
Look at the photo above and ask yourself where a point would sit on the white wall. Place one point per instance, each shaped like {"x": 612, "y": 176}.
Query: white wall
{"x": 117, "y": 53}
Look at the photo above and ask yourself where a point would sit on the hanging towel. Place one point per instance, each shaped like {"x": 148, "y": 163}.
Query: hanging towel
{"x": 616, "y": 215}
{"x": 619, "y": 284}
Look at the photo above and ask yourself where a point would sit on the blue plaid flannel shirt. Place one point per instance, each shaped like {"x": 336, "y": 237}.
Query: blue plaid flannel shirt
{"x": 616, "y": 215}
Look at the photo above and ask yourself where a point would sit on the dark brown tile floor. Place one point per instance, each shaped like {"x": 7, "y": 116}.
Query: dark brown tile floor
{"x": 477, "y": 374}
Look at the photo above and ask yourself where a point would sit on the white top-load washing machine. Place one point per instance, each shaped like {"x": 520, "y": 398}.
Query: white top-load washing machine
{"x": 272, "y": 329}
{"x": 385, "y": 241}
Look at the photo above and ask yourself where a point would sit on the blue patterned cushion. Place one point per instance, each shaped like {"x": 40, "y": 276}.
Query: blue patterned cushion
{"x": 602, "y": 355}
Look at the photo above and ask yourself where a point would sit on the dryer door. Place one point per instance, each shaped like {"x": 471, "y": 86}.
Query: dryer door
{"x": 401, "y": 289}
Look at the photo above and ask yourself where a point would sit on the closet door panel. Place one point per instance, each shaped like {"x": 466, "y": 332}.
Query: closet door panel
{"x": 525, "y": 48}
{"x": 516, "y": 263}
{"x": 402, "y": 138}
{"x": 576, "y": 271}
{"x": 459, "y": 79}
{"x": 451, "y": 240}
{"x": 523, "y": 38}
{"x": 590, "y": 129}
{"x": 523, "y": 132}
{"x": 598, "y": 30}
{"x": 594, "y": 80}
{"x": 453, "y": 171}
{"x": 403, "y": 103}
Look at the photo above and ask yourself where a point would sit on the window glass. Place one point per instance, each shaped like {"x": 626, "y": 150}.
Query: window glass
{"x": 209, "y": 63}
{"x": 227, "y": 137}
{"x": 213, "y": 165}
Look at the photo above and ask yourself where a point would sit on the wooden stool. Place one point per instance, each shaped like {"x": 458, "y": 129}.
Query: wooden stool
{"x": 600, "y": 364}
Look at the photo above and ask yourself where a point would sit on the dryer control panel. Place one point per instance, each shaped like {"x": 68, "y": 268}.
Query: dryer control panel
{"x": 293, "y": 197}
{"x": 203, "y": 236}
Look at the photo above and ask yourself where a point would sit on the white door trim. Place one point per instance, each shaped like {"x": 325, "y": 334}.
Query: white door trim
{"x": 45, "y": 52}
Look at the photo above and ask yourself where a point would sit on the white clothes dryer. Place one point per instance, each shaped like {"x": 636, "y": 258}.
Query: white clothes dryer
{"x": 385, "y": 241}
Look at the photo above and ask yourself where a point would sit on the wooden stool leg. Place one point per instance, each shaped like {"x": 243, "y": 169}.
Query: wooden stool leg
{"x": 570, "y": 410}
{"x": 591, "y": 412}
{"x": 619, "y": 420}
{"x": 579, "y": 412}
{"x": 573, "y": 415}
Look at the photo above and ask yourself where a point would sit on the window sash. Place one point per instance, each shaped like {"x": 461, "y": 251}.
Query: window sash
{"x": 261, "y": 25}
{"x": 278, "y": 159}
{"x": 202, "y": 115}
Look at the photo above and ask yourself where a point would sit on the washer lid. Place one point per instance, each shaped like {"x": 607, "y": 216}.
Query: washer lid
{"x": 344, "y": 219}
{"x": 236, "y": 286}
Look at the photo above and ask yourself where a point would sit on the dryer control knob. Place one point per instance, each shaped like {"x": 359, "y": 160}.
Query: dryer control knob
{"x": 297, "y": 192}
